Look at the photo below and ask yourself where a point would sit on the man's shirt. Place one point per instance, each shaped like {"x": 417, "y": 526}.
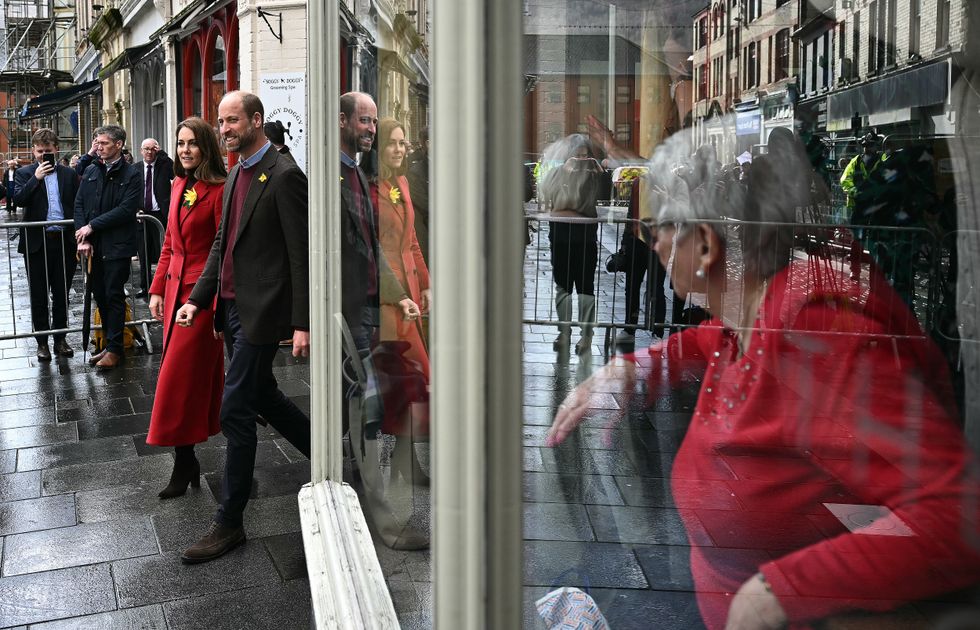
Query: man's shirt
{"x": 55, "y": 211}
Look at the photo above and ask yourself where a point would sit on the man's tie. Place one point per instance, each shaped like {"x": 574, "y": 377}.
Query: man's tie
{"x": 148, "y": 190}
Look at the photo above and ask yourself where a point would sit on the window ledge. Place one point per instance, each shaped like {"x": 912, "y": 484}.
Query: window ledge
{"x": 346, "y": 583}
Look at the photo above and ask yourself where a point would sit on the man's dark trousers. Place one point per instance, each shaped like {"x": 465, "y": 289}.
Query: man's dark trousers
{"x": 47, "y": 269}
{"x": 251, "y": 390}
{"x": 108, "y": 288}
{"x": 148, "y": 243}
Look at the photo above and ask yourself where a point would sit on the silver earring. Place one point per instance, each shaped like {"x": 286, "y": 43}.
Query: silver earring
{"x": 700, "y": 274}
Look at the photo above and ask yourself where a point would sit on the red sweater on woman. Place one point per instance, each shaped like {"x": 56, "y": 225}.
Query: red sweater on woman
{"x": 841, "y": 401}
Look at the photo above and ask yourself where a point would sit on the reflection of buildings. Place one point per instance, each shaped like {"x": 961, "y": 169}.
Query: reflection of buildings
{"x": 744, "y": 72}
{"x": 618, "y": 71}
{"x": 829, "y": 66}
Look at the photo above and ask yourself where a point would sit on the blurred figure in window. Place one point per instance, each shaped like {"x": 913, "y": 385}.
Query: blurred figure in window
{"x": 847, "y": 493}
{"x": 396, "y": 234}
{"x": 568, "y": 189}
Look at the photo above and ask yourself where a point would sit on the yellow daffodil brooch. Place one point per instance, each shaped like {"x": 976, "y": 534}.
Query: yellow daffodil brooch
{"x": 395, "y": 195}
{"x": 190, "y": 197}
{"x": 263, "y": 177}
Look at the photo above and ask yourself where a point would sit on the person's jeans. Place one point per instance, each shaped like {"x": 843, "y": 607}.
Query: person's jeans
{"x": 251, "y": 390}
{"x": 108, "y": 288}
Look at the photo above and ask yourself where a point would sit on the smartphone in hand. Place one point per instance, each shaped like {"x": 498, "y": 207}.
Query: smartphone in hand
{"x": 49, "y": 158}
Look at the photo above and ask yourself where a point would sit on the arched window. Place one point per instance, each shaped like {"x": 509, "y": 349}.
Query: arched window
{"x": 217, "y": 71}
{"x": 193, "y": 101}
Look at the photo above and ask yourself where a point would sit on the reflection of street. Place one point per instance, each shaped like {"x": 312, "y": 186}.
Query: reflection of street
{"x": 598, "y": 512}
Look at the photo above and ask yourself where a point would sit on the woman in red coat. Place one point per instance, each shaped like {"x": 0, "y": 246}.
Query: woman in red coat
{"x": 188, "y": 396}
{"x": 396, "y": 233}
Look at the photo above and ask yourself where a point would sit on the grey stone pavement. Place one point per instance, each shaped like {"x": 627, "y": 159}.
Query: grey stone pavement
{"x": 85, "y": 542}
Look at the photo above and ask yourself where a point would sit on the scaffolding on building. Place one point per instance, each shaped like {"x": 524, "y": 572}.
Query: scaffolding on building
{"x": 37, "y": 52}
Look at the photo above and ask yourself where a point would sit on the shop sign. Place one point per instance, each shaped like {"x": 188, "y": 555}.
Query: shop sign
{"x": 748, "y": 123}
{"x": 284, "y": 96}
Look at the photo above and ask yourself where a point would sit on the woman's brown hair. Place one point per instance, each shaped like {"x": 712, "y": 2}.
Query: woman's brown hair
{"x": 212, "y": 167}
{"x": 386, "y": 127}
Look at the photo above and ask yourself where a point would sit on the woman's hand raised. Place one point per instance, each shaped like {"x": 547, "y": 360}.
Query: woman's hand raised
{"x": 619, "y": 375}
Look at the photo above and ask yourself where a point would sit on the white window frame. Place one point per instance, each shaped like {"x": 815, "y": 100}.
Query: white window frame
{"x": 477, "y": 245}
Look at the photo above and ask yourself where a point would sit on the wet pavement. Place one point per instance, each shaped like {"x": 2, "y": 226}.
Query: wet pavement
{"x": 84, "y": 540}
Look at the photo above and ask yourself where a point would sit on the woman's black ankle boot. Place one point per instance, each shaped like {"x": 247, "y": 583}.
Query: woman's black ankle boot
{"x": 187, "y": 471}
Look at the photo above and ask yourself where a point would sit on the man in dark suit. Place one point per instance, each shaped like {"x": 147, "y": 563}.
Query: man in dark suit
{"x": 9, "y": 175}
{"x": 47, "y": 193}
{"x": 105, "y": 228}
{"x": 157, "y": 171}
{"x": 257, "y": 274}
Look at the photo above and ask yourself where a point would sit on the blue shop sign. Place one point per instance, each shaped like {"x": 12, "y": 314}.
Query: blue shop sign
{"x": 748, "y": 123}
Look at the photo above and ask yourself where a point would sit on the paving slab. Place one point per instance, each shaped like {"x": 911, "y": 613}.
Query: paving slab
{"x": 41, "y": 435}
{"x": 162, "y": 578}
{"x": 36, "y": 514}
{"x": 103, "y": 475}
{"x": 87, "y": 543}
{"x": 282, "y": 606}
{"x": 108, "y": 427}
{"x": 556, "y": 521}
{"x": 287, "y": 554}
{"x": 571, "y": 488}
{"x": 144, "y": 618}
{"x": 582, "y": 564}
{"x": 102, "y": 450}
{"x": 27, "y": 417}
{"x": 635, "y": 525}
{"x": 8, "y": 461}
{"x": 17, "y": 486}
{"x": 178, "y": 529}
{"x": 38, "y": 597}
{"x": 270, "y": 481}
{"x": 140, "y": 499}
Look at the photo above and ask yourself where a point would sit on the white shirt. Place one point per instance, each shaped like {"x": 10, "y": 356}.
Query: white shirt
{"x": 153, "y": 194}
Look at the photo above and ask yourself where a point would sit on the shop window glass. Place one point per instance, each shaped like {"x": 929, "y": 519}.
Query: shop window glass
{"x": 717, "y": 444}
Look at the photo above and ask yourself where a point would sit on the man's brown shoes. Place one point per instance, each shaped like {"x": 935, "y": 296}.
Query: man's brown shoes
{"x": 109, "y": 360}
{"x": 218, "y": 541}
{"x": 95, "y": 358}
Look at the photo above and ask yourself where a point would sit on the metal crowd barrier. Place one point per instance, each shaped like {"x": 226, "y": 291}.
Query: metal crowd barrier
{"x": 9, "y": 328}
{"x": 916, "y": 261}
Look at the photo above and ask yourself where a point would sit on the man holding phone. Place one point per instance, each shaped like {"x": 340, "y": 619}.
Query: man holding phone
{"x": 47, "y": 191}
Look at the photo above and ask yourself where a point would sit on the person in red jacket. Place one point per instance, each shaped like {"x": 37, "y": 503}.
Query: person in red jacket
{"x": 188, "y": 396}
{"x": 825, "y": 420}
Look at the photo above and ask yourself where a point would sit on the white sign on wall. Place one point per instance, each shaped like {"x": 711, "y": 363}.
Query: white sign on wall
{"x": 284, "y": 97}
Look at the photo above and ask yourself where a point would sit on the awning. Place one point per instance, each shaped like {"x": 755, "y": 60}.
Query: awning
{"x": 54, "y": 102}
{"x": 129, "y": 58}
{"x": 176, "y": 23}
{"x": 919, "y": 87}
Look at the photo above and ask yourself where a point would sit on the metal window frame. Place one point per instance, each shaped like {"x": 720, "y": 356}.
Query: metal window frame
{"x": 477, "y": 239}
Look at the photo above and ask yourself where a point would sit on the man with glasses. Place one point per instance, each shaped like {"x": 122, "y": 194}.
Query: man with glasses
{"x": 157, "y": 171}
{"x": 105, "y": 229}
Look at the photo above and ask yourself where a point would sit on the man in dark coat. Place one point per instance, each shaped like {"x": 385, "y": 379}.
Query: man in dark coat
{"x": 156, "y": 173}
{"x": 257, "y": 274}
{"x": 105, "y": 228}
{"x": 418, "y": 185}
{"x": 47, "y": 193}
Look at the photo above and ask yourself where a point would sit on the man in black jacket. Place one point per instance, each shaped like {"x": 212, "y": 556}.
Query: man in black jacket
{"x": 157, "y": 171}
{"x": 47, "y": 193}
{"x": 105, "y": 222}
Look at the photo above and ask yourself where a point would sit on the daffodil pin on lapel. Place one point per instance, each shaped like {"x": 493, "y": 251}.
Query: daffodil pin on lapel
{"x": 395, "y": 195}
{"x": 190, "y": 196}
{"x": 263, "y": 177}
